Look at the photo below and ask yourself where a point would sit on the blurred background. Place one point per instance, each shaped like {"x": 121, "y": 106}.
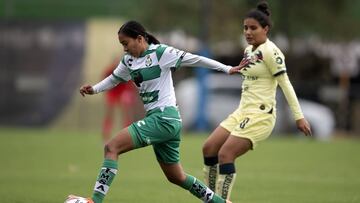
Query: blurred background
{"x": 50, "y": 48}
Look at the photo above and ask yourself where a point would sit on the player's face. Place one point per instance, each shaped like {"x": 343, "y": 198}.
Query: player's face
{"x": 254, "y": 33}
{"x": 131, "y": 46}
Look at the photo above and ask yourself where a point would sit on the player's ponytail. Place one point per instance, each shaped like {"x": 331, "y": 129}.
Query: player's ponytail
{"x": 133, "y": 29}
{"x": 261, "y": 14}
{"x": 151, "y": 39}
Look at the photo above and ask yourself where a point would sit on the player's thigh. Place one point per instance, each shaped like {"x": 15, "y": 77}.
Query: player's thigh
{"x": 233, "y": 148}
{"x": 120, "y": 143}
{"x": 214, "y": 142}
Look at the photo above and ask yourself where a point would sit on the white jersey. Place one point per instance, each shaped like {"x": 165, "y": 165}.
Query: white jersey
{"x": 151, "y": 72}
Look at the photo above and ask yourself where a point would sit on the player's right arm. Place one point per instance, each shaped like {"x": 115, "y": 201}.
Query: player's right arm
{"x": 86, "y": 89}
{"x": 106, "y": 84}
{"x": 120, "y": 74}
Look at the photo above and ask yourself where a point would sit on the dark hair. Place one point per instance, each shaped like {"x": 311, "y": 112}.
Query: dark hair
{"x": 261, "y": 14}
{"x": 133, "y": 29}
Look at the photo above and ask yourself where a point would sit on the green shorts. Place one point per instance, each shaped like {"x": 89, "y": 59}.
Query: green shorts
{"x": 160, "y": 128}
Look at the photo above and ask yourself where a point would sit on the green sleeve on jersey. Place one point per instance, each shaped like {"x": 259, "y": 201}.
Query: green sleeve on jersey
{"x": 160, "y": 51}
{"x": 178, "y": 63}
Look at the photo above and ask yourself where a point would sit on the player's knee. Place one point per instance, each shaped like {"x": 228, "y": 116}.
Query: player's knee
{"x": 177, "y": 180}
{"x": 205, "y": 148}
{"x": 109, "y": 150}
{"x": 208, "y": 149}
{"x": 225, "y": 156}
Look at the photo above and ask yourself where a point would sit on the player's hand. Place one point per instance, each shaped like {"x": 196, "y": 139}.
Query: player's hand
{"x": 304, "y": 126}
{"x": 86, "y": 89}
{"x": 236, "y": 69}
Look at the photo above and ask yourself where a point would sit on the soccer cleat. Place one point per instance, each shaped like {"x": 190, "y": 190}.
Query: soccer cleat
{"x": 77, "y": 199}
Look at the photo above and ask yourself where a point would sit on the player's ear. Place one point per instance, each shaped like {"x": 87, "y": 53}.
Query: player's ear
{"x": 266, "y": 29}
{"x": 139, "y": 38}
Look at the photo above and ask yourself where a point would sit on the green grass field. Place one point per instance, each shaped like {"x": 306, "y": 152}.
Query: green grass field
{"x": 42, "y": 166}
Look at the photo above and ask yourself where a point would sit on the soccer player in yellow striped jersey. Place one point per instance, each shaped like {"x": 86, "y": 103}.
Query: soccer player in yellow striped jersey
{"x": 263, "y": 69}
{"x": 149, "y": 65}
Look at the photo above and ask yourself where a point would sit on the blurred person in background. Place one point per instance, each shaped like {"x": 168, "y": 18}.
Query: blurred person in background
{"x": 263, "y": 69}
{"x": 149, "y": 65}
{"x": 122, "y": 96}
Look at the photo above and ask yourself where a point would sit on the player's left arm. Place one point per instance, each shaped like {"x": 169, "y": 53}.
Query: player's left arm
{"x": 194, "y": 60}
{"x": 275, "y": 61}
{"x": 289, "y": 92}
{"x": 176, "y": 58}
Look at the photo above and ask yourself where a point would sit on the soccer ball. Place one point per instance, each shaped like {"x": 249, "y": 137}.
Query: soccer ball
{"x": 76, "y": 199}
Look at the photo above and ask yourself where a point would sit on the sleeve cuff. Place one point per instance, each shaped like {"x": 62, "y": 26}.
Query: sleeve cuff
{"x": 227, "y": 69}
{"x": 298, "y": 116}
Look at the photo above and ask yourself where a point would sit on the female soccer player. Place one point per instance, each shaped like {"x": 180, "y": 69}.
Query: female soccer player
{"x": 149, "y": 65}
{"x": 263, "y": 68}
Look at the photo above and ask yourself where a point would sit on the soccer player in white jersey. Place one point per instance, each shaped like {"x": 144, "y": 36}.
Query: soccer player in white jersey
{"x": 149, "y": 65}
{"x": 253, "y": 121}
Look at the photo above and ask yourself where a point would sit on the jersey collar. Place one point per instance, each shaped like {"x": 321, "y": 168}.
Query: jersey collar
{"x": 148, "y": 51}
{"x": 257, "y": 48}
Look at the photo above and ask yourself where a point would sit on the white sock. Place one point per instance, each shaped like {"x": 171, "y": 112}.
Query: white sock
{"x": 210, "y": 175}
{"x": 224, "y": 185}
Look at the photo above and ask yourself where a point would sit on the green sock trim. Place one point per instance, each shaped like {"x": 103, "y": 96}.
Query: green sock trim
{"x": 109, "y": 163}
{"x": 189, "y": 181}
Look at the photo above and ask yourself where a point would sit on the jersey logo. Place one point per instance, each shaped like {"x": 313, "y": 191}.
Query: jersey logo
{"x": 279, "y": 60}
{"x": 148, "y": 61}
{"x": 149, "y": 97}
{"x": 129, "y": 61}
{"x": 256, "y": 58}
